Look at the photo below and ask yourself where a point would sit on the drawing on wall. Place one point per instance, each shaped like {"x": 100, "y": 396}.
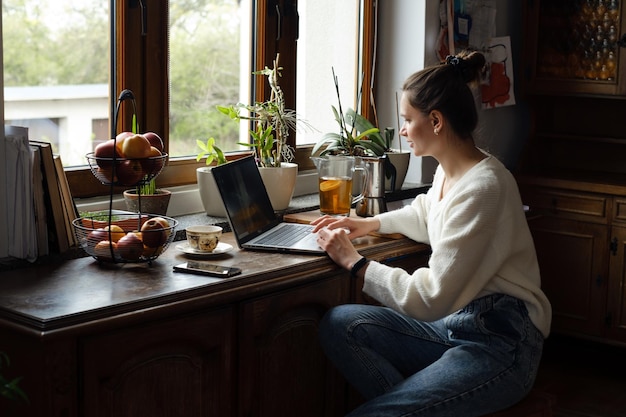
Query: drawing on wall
{"x": 497, "y": 90}
{"x": 473, "y": 27}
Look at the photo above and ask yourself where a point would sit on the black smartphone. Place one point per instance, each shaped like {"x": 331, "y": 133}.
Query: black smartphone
{"x": 205, "y": 268}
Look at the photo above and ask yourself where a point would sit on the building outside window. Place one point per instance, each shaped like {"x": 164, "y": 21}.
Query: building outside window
{"x": 58, "y": 72}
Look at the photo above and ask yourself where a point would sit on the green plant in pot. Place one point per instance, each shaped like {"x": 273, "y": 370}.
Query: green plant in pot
{"x": 147, "y": 198}
{"x": 357, "y": 136}
{"x": 207, "y": 188}
{"x": 271, "y": 121}
{"x": 271, "y": 124}
{"x": 9, "y": 387}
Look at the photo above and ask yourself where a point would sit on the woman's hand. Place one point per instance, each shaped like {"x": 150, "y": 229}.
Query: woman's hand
{"x": 335, "y": 234}
{"x": 354, "y": 227}
{"x": 338, "y": 246}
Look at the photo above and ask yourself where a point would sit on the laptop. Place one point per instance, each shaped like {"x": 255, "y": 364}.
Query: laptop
{"x": 251, "y": 216}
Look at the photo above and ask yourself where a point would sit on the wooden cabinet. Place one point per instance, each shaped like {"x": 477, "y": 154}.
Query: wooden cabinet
{"x": 575, "y": 47}
{"x": 184, "y": 366}
{"x": 616, "y": 318}
{"x": 285, "y": 369}
{"x": 572, "y": 173}
{"x": 142, "y": 340}
{"x": 580, "y": 238}
{"x": 573, "y": 276}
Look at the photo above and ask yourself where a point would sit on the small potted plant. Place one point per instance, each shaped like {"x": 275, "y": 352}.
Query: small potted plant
{"x": 147, "y": 197}
{"x": 272, "y": 123}
{"x": 209, "y": 193}
{"x": 9, "y": 388}
{"x": 152, "y": 199}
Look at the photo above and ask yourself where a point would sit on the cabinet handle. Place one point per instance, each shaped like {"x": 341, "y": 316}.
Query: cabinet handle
{"x": 599, "y": 281}
{"x": 613, "y": 246}
{"x": 622, "y": 41}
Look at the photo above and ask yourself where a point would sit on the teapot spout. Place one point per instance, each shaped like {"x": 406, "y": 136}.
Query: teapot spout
{"x": 317, "y": 161}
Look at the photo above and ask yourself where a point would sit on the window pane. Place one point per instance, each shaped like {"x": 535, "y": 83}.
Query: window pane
{"x": 209, "y": 65}
{"x": 56, "y": 72}
{"x": 329, "y": 38}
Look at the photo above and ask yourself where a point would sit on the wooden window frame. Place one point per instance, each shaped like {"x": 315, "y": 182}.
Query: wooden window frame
{"x": 143, "y": 60}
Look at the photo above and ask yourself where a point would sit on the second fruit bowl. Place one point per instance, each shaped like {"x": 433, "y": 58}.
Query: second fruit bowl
{"x": 125, "y": 237}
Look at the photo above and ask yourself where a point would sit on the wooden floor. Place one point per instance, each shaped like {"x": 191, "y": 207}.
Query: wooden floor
{"x": 585, "y": 378}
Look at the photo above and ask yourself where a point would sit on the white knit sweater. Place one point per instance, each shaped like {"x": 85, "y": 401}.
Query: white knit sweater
{"x": 480, "y": 245}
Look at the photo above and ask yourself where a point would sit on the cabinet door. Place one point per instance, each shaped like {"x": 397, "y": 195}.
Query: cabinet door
{"x": 616, "y": 315}
{"x": 574, "y": 270}
{"x": 178, "y": 367}
{"x": 574, "y": 46}
{"x": 283, "y": 370}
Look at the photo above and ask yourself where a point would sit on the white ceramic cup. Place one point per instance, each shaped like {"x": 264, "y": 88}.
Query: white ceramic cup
{"x": 203, "y": 238}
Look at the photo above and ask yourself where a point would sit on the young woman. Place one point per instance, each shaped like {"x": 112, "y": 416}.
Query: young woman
{"x": 463, "y": 336}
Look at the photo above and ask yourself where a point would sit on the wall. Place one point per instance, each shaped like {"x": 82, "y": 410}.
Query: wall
{"x": 407, "y": 34}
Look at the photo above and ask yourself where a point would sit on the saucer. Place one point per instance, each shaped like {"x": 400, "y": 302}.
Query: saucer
{"x": 220, "y": 249}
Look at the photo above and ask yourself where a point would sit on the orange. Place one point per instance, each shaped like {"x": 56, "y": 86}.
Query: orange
{"x": 116, "y": 232}
{"x": 329, "y": 185}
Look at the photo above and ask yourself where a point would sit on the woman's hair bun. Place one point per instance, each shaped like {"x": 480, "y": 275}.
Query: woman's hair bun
{"x": 468, "y": 64}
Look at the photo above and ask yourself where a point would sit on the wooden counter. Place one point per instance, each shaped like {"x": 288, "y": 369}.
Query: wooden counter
{"x": 96, "y": 339}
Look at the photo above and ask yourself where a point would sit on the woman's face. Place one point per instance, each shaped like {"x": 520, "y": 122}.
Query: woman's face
{"x": 417, "y": 128}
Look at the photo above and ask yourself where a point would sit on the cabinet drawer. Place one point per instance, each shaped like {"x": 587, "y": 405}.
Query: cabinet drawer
{"x": 592, "y": 207}
{"x": 619, "y": 212}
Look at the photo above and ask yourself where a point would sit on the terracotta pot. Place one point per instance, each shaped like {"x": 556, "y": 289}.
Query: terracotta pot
{"x": 280, "y": 183}
{"x": 209, "y": 194}
{"x": 154, "y": 203}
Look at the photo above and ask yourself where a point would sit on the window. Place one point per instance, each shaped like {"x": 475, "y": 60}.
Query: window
{"x": 200, "y": 30}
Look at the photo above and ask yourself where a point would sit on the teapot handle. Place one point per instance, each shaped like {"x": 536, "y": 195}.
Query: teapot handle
{"x": 365, "y": 173}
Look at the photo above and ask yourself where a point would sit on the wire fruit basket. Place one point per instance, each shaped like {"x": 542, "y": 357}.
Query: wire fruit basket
{"x": 124, "y": 237}
{"x": 126, "y": 171}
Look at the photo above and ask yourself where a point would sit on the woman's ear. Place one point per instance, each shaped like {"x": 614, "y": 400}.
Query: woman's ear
{"x": 435, "y": 119}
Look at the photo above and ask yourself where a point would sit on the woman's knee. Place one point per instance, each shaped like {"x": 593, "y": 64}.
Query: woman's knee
{"x": 337, "y": 323}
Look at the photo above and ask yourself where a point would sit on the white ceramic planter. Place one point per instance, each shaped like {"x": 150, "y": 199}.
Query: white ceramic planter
{"x": 209, "y": 194}
{"x": 280, "y": 183}
{"x": 400, "y": 160}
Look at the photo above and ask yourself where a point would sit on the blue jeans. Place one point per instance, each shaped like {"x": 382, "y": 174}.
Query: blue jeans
{"x": 478, "y": 360}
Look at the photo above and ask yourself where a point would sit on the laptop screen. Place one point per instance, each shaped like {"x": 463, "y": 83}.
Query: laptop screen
{"x": 245, "y": 198}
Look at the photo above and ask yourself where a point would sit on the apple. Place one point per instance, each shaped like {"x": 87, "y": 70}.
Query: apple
{"x": 154, "y": 163}
{"x": 107, "y": 151}
{"x": 165, "y": 224}
{"x": 153, "y": 234}
{"x": 149, "y": 252}
{"x": 130, "y": 247}
{"x": 107, "y": 173}
{"x": 96, "y": 236}
{"x": 155, "y": 140}
{"x": 129, "y": 172}
{"x": 136, "y": 146}
{"x": 119, "y": 141}
{"x": 103, "y": 249}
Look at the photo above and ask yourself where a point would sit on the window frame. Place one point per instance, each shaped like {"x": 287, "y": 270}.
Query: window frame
{"x": 142, "y": 63}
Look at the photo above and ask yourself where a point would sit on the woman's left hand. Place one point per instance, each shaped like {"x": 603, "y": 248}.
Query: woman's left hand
{"x": 338, "y": 246}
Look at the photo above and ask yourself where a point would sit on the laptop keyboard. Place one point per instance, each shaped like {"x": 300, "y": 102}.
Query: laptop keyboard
{"x": 285, "y": 236}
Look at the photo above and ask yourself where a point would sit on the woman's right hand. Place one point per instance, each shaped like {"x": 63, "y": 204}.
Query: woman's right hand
{"x": 353, "y": 226}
